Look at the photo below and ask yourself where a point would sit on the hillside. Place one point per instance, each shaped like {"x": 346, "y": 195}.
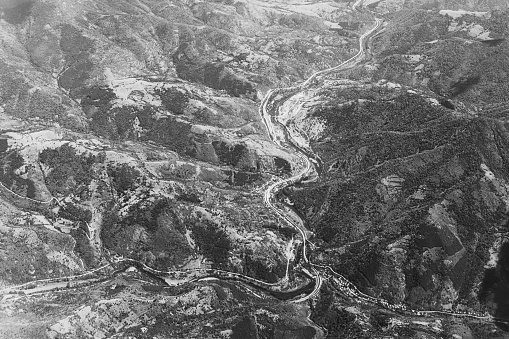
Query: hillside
{"x": 130, "y": 129}
{"x": 156, "y": 183}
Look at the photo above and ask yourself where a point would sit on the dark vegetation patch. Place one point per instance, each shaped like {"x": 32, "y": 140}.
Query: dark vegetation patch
{"x": 150, "y": 232}
{"x": 373, "y": 5}
{"x": 229, "y": 154}
{"x": 309, "y": 200}
{"x": 455, "y": 169}
{"x": 282, "y": 165}
{"x": 20, "y": 257}
{"x": 236, "y": 178}
{"x": 375, "y": 132}
{"x": 359, "y": 263}
{"x": 393, "y": 66}
{"x": 231, "y": 83}
{"x": 259, "y": 269}
{"x": 189, "y": 197}
{"x": 115, "y": 123}
{"x": 431, "y": 26}
{"x": 306, "y": 332}
{"x": 245, "y": 329}
{"x": 464, "y": 85}
{"x": 132, "y": 44}
{"x": 338, "y": 322}
{"x": 70, "y": 172}
{"x": 84, "y": 249}
{"x": 153, "y": 288}
{"x": 96, "y": 98}
{"x": 379, "y": 319}
{"x": 220, "y": 292}
{"x": 301, "y": 21}
{"x": 447, "y": 104}
{"x": 213, "y": 243}
{"x": 405, "y": 332}
{"x": 73, "y": 42}
{"x": 497, "y": 23}
{"x": 16, "y": 12}
{"x": 44, "y": 105}
{"x": 218, "y": 76}
{"x": 191, "y": 67}
{"x": 350, "y": 25}
{"x": 4, "y": 145}
{"x": 119, "y": 123}
{"x": 437, "y": 152}
{"x": 78, "y": 65}
{"x": 493, "y": 42}
{"x": 495, "y": 287}
{"x": 286, "y": 325}
{"x": 149, "y": 215}
{"x": 356, "y": 213}
{"x": 166, "y": 37}
{"x": 174, "y": 100}
{"x": 75, "y": 76}
{"x": 10, "y": 162}
{"x": 471, "y": 72}
{"x": 405, "y": 112}
{"x": 124, "y": 178}
{"x": 75, "y": 212}
{"x": 171, "y": 133}
{"x": 117, "y": 288}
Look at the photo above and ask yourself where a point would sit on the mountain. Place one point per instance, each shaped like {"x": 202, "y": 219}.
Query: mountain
{"x": 137, "y": 166}
{"x": 130, "y": 129}
{"x": 412, "y": 203}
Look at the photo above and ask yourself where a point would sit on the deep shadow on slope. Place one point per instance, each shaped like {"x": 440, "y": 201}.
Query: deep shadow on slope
{"x": 454, "y": 65}
{"x": 413, "y": 198}
{"x": 15, "y": 11}
{"x": 495, "y": 286}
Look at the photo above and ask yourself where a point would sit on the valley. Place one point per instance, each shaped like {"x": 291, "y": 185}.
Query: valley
{"x": 212, "y": 183}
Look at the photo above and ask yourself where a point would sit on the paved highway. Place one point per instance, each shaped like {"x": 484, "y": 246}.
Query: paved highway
{"x": 268, "y": 111}
{"x": 270, "y": 104}
{"x": 268, "y": 197}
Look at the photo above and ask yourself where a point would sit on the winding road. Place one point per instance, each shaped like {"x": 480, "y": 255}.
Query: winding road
{"x": 268, "y": 118}
{"x": 268, "y": 110}
{"x": 269, "y": 113}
